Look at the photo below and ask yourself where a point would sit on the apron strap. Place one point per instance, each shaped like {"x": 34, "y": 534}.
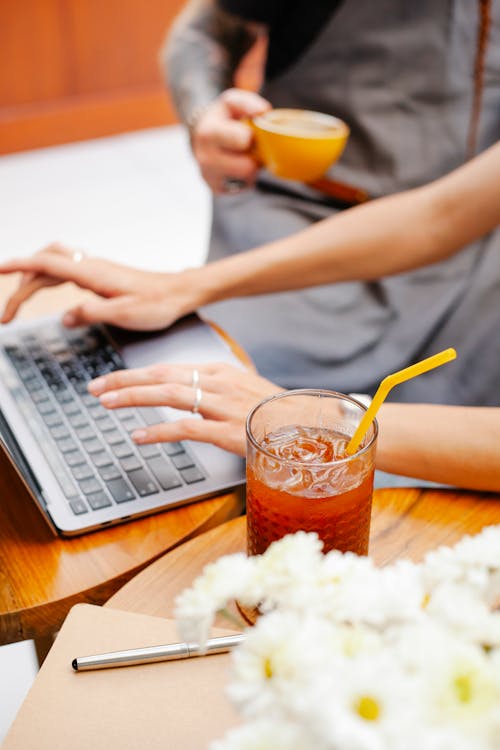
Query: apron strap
{"x": 482, "y": 43}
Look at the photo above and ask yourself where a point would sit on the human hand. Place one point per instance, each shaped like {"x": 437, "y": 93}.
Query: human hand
{"x": 127, "y": 297}
{"x": 222, "y": 143}
{"x": 228, "y": 393}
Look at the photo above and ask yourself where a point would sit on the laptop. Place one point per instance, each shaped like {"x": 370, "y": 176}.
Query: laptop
{"x": 77, "y": 458}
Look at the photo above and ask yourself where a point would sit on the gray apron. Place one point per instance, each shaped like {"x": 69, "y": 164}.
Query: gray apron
{"x": 400, "y": 73}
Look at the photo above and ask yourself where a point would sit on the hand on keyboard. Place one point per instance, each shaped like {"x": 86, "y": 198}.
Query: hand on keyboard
{"x": 127, "y": 297}
{"x": 227, "y": 395}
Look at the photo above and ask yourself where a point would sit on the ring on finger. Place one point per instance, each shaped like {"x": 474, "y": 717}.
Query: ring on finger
{"x": 195, "y": 383}
{"x": 197, "y": 400}
{"x": 78, "y": 256}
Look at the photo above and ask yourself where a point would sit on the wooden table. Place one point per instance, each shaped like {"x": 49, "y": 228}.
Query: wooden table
{"x": 405, "y": 523}
{"x": 42, "y": 576}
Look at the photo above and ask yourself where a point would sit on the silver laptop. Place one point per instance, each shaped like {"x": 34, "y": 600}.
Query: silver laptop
{"x": 77, "y": 458}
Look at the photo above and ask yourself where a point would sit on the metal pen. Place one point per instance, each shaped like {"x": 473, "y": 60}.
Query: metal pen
{"x": 151, "y": 654}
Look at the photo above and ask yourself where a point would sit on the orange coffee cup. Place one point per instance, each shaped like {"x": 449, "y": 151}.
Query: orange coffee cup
{"x": 298, "y": 144}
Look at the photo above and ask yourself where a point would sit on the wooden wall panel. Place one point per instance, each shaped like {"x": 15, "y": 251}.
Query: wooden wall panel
{"x": 77, "y": 69}
{"x": 116, "y": 41}
{"x": 32, "y": 52}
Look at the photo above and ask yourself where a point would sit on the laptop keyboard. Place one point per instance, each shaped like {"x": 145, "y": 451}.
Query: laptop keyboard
{"x": 88, "y": 447}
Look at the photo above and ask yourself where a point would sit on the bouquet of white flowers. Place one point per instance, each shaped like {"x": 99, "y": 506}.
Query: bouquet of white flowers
{"x": 348, "y": 656}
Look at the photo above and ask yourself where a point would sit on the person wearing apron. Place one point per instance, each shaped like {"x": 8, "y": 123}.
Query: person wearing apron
{"x": 404, "y": 76}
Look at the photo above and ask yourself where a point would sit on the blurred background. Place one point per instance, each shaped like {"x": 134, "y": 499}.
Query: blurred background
{"x": 91, "y": 155}
{"x": 78, "y": 69}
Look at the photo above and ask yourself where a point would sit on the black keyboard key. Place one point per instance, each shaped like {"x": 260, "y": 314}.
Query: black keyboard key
{"x": 142, "y": 482}
{"x": 130, "y": 463}
{"x": 113, "y": 356}
{"x": 71, "y": 368}
{"x": 182, "y": 461}
{"x": 172, "y": 449}
{"x": 122, "y": 450}
{"x": 78, "y": 506}
{"x": 109, "y": 472}
{"x": 74, "y": 458}
{"x": 80, "y": 386}
{"x": 164, "y": 473}
{"x": 89, "y": 486}
{"x": 149, "y": 450}
{"x": 63, "y": 395}
{"x": 13, "y": 351}
{"x": 101, "y": 459}
{"x": 33, "y": 385}
{"x": 82, "y": 471}
{"x": 93, "y": 446}
{"x": 192, "y": 475}
{"x": 120, "y": 490}
{"x": 55, "y": 383}
{"x": 98, "y": 500}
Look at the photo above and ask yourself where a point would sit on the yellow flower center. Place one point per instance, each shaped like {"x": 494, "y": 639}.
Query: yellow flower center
{"x": 463, "y": 688}
{"x": 368, "y": 708}
{"x": 425, "y": 601}
{"x": 268, "y": 668}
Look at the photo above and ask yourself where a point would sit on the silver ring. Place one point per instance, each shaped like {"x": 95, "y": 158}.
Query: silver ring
{"x": 195, "y": 383}
{"x": 78, "y": 256}
{"x": 197, "y": 400}
{"x": 232, "y": 185}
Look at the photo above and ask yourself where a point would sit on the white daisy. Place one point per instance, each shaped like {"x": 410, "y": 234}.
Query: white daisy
{"x": 461, "y": 690}
{"x": 285, "y": 573}
{"x": 268, "y": 734}
{"x": 279, "y": 659}
{"x": 220, "y": 582}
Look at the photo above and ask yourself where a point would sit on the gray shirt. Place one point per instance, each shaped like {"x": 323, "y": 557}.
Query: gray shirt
{"x": 401, "y": 75}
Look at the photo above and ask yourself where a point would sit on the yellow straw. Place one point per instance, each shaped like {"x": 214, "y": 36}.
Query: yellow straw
{"x": 389, "y": 382}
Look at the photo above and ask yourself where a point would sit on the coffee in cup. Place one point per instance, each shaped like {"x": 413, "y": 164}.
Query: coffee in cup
{"x": 298, "y": 144}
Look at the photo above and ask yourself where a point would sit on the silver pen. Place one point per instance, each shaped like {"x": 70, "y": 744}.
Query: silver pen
{"x": 151, "y": 654}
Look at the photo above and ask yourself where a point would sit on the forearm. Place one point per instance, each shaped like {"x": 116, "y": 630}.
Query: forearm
{"x": 454, "y": 445}
{"x": 201, "y": 54}
{"x": 388, "y": 236}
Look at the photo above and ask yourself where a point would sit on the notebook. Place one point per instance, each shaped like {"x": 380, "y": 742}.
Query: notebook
{"x": 77, "y": 458}
{"x": 162, "y": 706}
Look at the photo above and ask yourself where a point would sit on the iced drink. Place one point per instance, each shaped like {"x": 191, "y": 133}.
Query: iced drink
{"x": 298, "y": 473}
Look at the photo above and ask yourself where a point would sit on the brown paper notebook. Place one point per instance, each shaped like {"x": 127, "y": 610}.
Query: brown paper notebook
{"x": 176, "y": 705}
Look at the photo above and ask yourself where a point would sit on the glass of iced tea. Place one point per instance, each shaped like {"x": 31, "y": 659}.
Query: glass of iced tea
{"x": 299, "y": 476}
